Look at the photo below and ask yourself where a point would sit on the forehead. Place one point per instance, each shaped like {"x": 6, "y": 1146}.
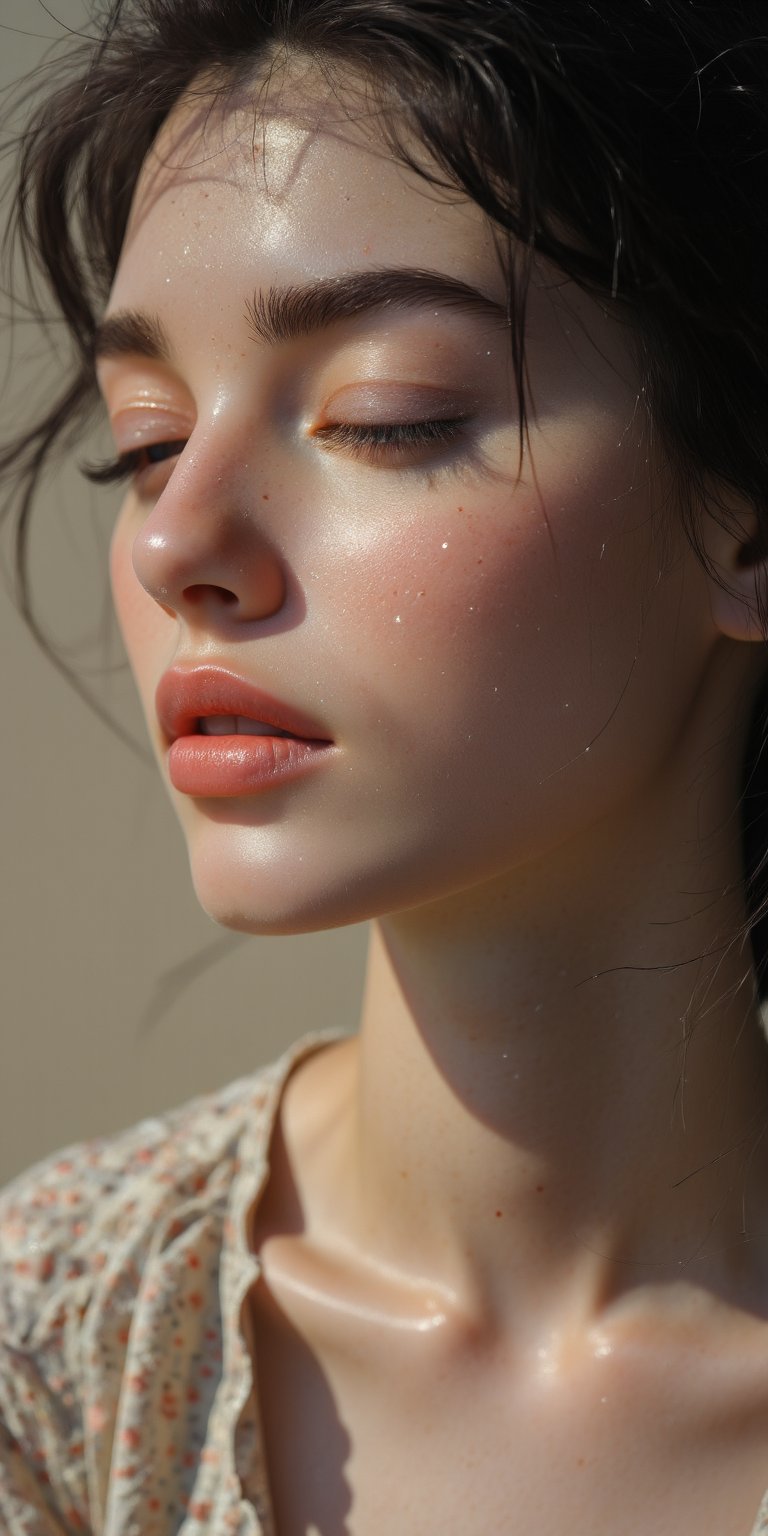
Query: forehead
{"x": 295, "y": 178}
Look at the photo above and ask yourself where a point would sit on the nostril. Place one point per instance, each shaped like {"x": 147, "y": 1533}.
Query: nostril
{"x": 200, "y": 591}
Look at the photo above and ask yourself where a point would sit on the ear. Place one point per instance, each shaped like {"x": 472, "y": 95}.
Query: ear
{"x": 738, "y": 577}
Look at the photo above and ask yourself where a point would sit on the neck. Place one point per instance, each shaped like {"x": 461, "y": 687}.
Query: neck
{"x": 561, "y": 1084}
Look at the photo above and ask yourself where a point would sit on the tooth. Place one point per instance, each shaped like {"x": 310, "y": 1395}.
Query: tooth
{"x": 236, "y": 725}
{"x": 219, "y": 725}
{"x": 247, "y": 727}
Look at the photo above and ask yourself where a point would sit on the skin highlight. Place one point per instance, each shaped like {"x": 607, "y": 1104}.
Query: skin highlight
{"x": 528, "y": 1161}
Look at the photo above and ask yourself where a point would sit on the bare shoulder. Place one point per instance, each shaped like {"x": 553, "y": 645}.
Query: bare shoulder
{"x": 313, "y": 1117}
{"x": 316, "y": 1093}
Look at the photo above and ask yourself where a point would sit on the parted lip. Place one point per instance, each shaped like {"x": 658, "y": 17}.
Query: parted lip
{"x": 185, "y": 694}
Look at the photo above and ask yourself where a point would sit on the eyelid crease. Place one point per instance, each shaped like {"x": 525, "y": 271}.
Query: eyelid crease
{"x": 434, "y": 402}
{"x": 149, "y": 407}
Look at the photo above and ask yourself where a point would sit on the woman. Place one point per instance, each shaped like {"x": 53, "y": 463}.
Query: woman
{"x": 432, "y": 343}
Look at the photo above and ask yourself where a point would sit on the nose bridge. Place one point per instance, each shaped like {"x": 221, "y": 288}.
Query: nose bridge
{"x": 204, "y": 540}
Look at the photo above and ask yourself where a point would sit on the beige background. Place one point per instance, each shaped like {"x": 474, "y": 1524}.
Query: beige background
{"x": 120, "y": 997}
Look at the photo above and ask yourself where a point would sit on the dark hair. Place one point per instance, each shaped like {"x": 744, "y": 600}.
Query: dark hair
{"x": 623, "y": 139}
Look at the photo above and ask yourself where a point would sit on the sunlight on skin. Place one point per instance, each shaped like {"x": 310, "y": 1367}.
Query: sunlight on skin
{"x": 326, "y": 1300}
{"x": 527, "y": 1188}
{"x": 519, "y": 697}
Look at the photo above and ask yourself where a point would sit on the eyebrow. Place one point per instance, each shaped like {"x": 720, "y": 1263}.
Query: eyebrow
{"x": 129, "y": 331}
{"x": 284, "y": 314}
{"x": 281, "y": 315}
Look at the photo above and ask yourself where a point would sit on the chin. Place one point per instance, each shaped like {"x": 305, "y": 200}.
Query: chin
{"x": 251, "y": 882}
{"x": 265, "y": 900}
{"x": 270, "y": 871}
{"x": 252, "y": 885}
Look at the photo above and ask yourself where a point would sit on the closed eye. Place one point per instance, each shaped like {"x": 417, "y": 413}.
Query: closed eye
{"x": 378, "y": 443}
{"x": 127, "y": 465}
{"x": 381, "y": 443}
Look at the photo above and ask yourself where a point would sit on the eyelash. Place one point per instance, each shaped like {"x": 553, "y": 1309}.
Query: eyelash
{"x": 406, "y": 434}
{"x": 126, "y": 465}
{"x": 364, "y": 442}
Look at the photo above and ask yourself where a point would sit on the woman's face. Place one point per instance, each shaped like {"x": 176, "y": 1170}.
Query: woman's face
{"x": 493, "y": 658}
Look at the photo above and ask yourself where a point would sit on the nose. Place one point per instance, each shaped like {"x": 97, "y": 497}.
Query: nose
{"x": 203, "y": 554}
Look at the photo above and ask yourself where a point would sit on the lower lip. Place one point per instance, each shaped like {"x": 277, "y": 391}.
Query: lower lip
{"x": 223, "y": 766}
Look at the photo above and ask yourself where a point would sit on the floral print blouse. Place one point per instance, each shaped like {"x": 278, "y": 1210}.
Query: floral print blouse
{"x": 127, "y": 1401}
{"x": 127, "y": 1404}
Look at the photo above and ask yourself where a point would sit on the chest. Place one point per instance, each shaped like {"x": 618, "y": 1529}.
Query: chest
{"x": 361, "y": 1440}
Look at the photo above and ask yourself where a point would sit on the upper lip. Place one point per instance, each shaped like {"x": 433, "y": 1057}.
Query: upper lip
{"x": 185, "y": 694}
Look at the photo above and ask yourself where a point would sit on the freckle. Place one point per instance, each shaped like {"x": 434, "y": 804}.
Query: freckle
{"x": 265, "y": 496}
{"x": 539, "y": 1189}
{"x": 403, "y": 1173}
{"x": 580, "y": 1462}
{"x": 479, "y": 562}
{"x": 459, "y": 509}
{"x": 498, "y": 1213}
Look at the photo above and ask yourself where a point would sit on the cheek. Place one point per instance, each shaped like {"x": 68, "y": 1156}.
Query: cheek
{"x": 451, "y": 593}
{"x": 143, "y": 624}
{"x": 485, "y": 620}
